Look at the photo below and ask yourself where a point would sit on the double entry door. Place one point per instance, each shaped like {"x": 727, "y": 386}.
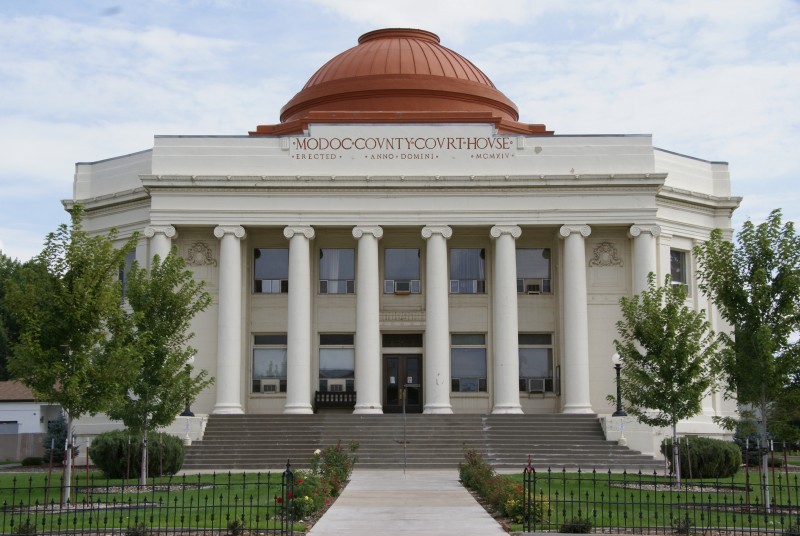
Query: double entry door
{"x": 402, "y": 376}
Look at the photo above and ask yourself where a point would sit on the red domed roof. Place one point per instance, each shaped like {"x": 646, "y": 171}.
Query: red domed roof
{"x": 399, "y": 75}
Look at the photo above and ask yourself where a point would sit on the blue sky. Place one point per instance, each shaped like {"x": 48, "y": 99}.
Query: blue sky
{"x": 87, "y": 80}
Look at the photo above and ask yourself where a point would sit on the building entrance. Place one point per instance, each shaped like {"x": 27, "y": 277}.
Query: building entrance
{"x": 402, "y": 371}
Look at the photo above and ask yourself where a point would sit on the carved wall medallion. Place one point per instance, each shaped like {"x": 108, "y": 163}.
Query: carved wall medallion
{"x": 605, "y": 254}
{"x": 200, "y": 254}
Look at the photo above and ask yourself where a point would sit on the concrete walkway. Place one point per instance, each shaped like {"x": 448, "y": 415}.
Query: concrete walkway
{"x": 390, "y": 502}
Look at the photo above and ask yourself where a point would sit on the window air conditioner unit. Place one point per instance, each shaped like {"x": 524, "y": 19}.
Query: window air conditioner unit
{"x": 271, "y": 385}
{"x": 536, "y": 385}
{"x": 402, "y": 287}
{"x": 533, "y": 286}
{"x": 337, "y": 386}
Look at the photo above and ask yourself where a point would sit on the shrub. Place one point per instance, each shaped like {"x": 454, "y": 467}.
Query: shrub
{"x": 56, "y": 436}
{"x": 112, "y": 451}
{"x": 236, "y": 528}
{"x": 31, "y": 461}
{"x": 704, "y": 457}
{"x": 26, "y": 528}
{"x": 335, "y": 464}
{"x": 578, "y": 525}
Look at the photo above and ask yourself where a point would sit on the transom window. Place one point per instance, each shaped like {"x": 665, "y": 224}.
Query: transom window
{"x": 468, "y": 362}
{"x": 467, "y": 271}
{"x": 337, "y": 362}
{"x": 533, "y": 271}
{"x": 337, "y": 271}
{"x": 271, "y": 270}
{"x": 536, "y": 362}
{"x": 401, "y": 271}
{"x": 269, "y": 363}
{"x": 678, "y": 268}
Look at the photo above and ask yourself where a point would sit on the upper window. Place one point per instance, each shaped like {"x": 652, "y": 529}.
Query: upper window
{"x": 533, "y": 271}
{"x": 536, "y": 362}
{"x": 678, "y": 268}
{"x": 269, "y": 363}
{"x": 401, "y": 271}
{"x": 337, "y": 271}
{"x": 271, "y": 270}
{"x": 337, "y": 362}
{"x": 468, "y": 362}
{"x": 467, "y": 271}
{"x": 125, "y": 269}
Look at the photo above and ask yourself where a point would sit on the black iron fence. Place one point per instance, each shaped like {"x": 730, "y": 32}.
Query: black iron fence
{"x": 198, "y": 504}
{"x": 636, "y": 502}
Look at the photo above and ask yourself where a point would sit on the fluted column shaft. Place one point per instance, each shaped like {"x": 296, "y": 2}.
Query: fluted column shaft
{"x": 645, "y": 259}
{"x": 298, "y": 336}
{"x": 506, "y": 325}
{"x": 577, "y": 397}
{"x": 368, "y": 338}
{"x": 160, "y": 237}
{"x": 229, "y": 321}
{"x": 437, "y": 321}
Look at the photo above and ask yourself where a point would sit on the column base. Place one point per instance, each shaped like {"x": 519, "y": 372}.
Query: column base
{"x": 438, "y": 409}
{"x": 298, "y": 409}
{"x": 227, "y": 409}
{"x": 368, "y": 410}
{"x": 577, "y": 409}
{"x": 507, "y": 410}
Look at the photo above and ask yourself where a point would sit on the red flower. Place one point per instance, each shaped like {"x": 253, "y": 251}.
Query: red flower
{"x": 279, "y": 499}
{"x": 291, "y": 495}
{"x": 299, "y": 480}
{"x": 328, "y": 502}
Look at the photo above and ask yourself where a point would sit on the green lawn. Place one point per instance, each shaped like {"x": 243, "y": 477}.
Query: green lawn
{"x": 190, "y": 502}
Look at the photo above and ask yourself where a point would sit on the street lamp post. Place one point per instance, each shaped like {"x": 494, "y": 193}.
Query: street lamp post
{"x": 187, "y": 412}
{"x": 615, "y": 359}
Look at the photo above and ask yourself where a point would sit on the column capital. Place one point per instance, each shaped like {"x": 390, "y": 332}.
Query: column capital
{"x": 499, "y": 230}
{"x": 430, "y": 230}
{"x": 305, "y": 230}
{"x": 567, "y": 230}
{"x": 637, "y": 230}
{"x": 374, "y": 230}
{"x": 235, "y": 230}
{"x": 167, "y": 230}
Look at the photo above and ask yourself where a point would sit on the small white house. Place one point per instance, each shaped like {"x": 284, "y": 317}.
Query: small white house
{"x": 23, "y": 421}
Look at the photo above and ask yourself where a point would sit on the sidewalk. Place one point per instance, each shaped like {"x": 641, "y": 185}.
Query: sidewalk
{"x": 389, "y": 502}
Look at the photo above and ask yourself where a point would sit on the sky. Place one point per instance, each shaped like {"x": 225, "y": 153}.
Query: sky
{"x": 86, "y": 80}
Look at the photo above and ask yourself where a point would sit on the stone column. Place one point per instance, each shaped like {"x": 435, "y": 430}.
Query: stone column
{"x": 229, "y": 321}
{"x": 576, "y": 321}
{"x": 645, "y": 258}
{"x": 160, "y": 239}
{"x": 298, "y": 347}
{"x": 368, "y": 336}
{"x": 506, "y": 325}
{"x": 437, "y": 321}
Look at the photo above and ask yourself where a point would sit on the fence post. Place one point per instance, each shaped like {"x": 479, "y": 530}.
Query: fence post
{"x": 288, "y": 501}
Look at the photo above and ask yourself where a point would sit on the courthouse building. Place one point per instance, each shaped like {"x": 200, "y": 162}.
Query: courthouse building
{"x": 400, "y": 229}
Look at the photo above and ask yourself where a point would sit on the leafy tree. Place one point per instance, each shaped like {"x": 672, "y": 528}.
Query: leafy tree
{"x": 755, "y": 284}
{"x": 784, "y": 416}
{"x": 9, "y": 329}
{"x": 67, "y": 303}
{"x": 162, "y": 303}
{"x": 666, "y": 350}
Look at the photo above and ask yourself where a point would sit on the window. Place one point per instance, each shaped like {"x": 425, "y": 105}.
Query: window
{"x": 271, "y": 270}
{"x": 467, "y": 272}
{"x": 468, "y": 362}
{"x": 533, "y": 271}
{"x": 269, "y": 363}
{"x": 125, "y": 269}
{"x": 677, "y": 268}
{"x": 401, "y": 271}
{"x": 536, "y": 362}
{"x": 337, "y": 362}
{"x": 337, "y": 271}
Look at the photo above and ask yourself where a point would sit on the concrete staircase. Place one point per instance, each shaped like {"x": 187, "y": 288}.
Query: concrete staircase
{"x": 265, "y": 442}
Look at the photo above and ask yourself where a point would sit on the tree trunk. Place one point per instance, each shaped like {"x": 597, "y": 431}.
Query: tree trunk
{"x": 66, "y": 490}
{"x": 143, "y": 472}
{"x": 676, "y": 459}
{"x": 764, "y": 453}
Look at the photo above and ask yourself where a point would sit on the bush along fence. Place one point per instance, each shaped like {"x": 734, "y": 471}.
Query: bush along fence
{"x": 635, "y": 502}
{"x": 213, "y": 503}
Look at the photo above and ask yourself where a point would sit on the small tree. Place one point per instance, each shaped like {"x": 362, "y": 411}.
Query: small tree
{"x": 67, "y": 304}
{"x": 162, "y": 303}
{"x": 667, "y": 352}
{"x": 9, "y": 328}
{"x": 756, "y": 286}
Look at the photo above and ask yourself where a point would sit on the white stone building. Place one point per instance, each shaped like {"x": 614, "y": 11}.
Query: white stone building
{"x": 400, "y": 226}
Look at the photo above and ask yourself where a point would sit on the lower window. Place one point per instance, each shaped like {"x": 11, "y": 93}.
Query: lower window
{"x": 269, "y": 363}
{"x": 468, "y": 362}
{"x": 536, "y": 362}
{"x": 336, "y": 362}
